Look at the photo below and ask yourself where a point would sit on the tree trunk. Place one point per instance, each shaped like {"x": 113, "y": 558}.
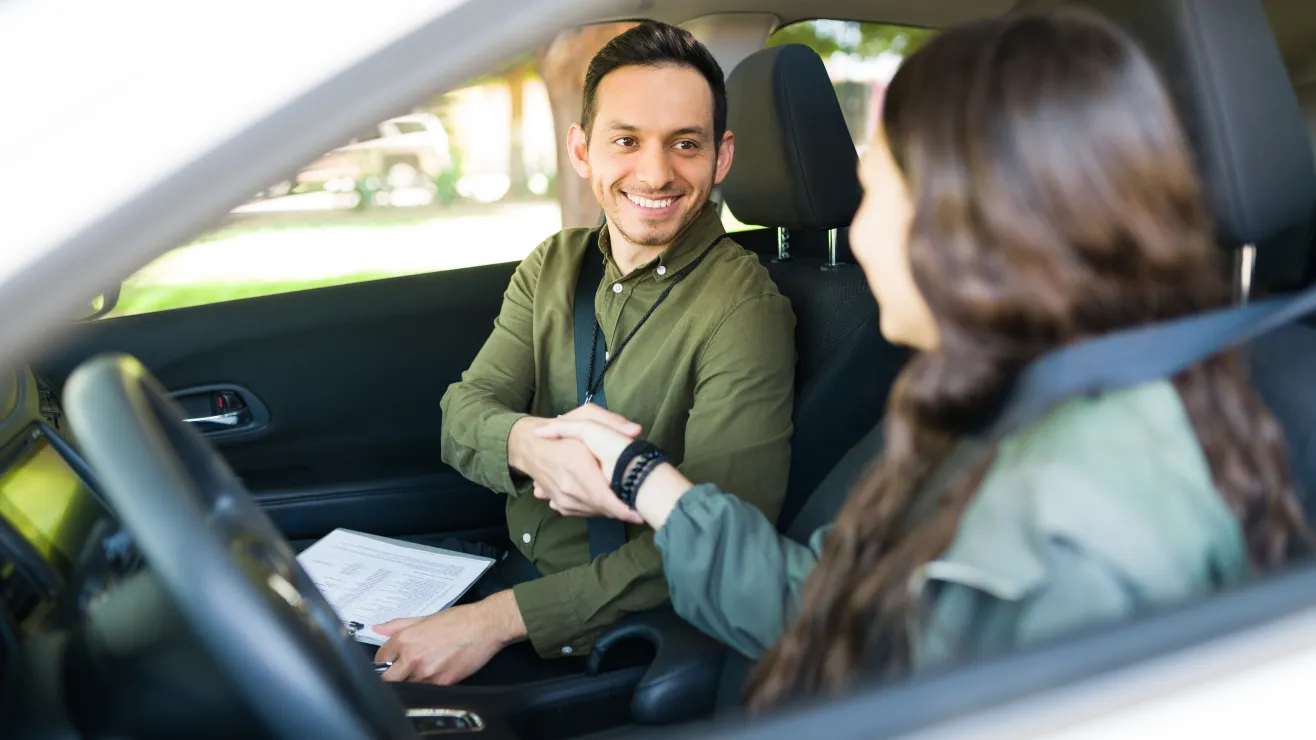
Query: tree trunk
{"x": 562, "y": 65}
{"x": 516, "y": 173}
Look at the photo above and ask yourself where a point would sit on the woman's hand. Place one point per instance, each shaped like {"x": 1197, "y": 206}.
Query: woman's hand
{"x": 605, "y": 444}
{"x": 657, "y": 496}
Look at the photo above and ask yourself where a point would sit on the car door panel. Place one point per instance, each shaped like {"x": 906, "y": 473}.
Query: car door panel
{"x": 442, "y": 503}
{"x": 350, "y": 378}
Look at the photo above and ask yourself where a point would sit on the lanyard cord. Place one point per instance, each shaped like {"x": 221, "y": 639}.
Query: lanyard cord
{"x": 593, "y": 383}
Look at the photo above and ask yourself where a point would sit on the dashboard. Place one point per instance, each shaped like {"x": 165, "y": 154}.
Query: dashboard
{"x": 61, "y": 547}
{"x": 51, "y": 521}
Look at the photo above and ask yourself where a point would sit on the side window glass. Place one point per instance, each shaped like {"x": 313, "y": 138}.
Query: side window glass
{"x": 860, "y": 59}
{"x": 469, "y": 178}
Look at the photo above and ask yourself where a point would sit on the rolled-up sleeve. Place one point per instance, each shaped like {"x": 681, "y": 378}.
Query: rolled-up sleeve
{"x": 729, "y": 572}
{"x": 480, "y": 409}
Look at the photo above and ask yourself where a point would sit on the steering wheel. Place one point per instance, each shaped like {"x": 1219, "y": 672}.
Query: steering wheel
{"x": 233, "y": 577}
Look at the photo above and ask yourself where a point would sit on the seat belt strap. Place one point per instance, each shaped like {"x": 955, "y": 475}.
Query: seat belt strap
{"x": 605, "y": 535}
{"x": 1140, "y": 355}
{"x": 1127, "y": 358}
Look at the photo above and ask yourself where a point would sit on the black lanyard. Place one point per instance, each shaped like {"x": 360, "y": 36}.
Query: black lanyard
{"x": 592, "y": 383}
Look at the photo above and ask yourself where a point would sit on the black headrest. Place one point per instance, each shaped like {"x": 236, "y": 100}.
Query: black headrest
{"x": 795, "y": 163}
{"x": 1224, "y": 69}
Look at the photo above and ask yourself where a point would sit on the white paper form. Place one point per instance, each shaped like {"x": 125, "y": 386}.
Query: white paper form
{"x": 371, "y": 579}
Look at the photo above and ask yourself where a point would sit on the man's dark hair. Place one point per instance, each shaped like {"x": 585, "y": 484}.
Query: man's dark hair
{"x": 654, "y": 44}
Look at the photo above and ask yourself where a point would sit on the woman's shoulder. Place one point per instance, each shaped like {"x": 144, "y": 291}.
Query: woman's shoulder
{"x": 1120, "y": 478}
{"x": 1128, "y": 440}
{"x": 1149, "y": 408}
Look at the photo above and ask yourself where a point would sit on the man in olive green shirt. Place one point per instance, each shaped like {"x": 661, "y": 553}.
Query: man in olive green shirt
{"x": 707, "y": 374}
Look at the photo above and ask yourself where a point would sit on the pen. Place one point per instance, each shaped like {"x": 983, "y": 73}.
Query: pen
{"x": 381, "y": 667}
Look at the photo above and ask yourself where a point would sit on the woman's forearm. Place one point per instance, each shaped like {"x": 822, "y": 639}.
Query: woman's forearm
{"x": 658, "y": 495}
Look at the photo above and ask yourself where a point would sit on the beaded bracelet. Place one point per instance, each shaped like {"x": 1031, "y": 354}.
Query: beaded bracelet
{"x": 630, "y": 494}
{"x": 635, "y": 450}
{"x": 633, "y": 465}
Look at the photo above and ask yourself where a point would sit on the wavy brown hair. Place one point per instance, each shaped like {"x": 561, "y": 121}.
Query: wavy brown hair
{"x": 1055, "y": 198}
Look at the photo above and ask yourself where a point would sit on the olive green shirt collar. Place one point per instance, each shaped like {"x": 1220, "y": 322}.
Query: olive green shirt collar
{"x": 705, "y": 229}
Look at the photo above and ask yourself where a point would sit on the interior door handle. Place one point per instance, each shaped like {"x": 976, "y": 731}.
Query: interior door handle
{"x": 223, "y": 410}
{"x": 231, "y": 419}
{"x": 228, "y": 420}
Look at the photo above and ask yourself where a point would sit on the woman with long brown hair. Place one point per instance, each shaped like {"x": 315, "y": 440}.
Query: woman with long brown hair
{"x": 1030, "y": 187}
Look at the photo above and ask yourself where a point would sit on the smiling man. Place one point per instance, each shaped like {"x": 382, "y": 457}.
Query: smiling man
{"x": 699, "y": 360}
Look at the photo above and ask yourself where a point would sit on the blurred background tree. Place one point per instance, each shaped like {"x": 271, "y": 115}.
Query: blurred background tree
{"x": 829, "y": 37}
{"x": 562, "y": 64}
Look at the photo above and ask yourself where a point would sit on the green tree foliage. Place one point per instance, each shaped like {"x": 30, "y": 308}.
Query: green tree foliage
{"x": 828, "y": 37}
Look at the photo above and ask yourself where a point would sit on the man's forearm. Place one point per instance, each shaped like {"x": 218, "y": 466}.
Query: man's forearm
{"x": 475, "y": 438}
{"x": 497, "y": 389}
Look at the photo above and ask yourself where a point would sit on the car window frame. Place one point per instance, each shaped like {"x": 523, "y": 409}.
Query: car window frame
{"x": 449, "y": 49}
{"x": 404, "y": 73}
{"x": 1064, "y": 683}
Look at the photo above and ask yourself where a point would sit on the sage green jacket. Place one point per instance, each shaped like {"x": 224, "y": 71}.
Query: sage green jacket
{"x": 1103, "y": 508}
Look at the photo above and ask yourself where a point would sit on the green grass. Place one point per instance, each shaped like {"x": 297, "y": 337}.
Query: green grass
{"x": 138, "y": 298}
{"x": 165, "y": 289}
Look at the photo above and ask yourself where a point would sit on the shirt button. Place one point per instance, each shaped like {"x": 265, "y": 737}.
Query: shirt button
{"x": 526, "y": 538}
{"x": 566, "y": 650}
{"x": 616, "y": 287}
{"x": 662, "y": 269}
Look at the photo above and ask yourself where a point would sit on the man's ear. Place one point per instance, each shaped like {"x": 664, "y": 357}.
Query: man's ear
{"x": 726, "y": 151}
{"x": 578, "y": 149}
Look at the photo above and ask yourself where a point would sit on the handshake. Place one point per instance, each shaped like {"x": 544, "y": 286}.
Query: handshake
{"x": 572, "y": 460}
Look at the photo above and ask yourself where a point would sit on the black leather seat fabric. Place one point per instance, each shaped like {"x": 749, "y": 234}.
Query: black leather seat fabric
{"x": 796, "y": 169}
{"x": 1254, "y": 155}
{"x": 1307, "y": 102}
{"x": 1221, "y": 62}
{"x": 795, "y": 165}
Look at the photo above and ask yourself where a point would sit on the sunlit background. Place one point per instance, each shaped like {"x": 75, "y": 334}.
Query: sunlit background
{"x": 473, "y": 177}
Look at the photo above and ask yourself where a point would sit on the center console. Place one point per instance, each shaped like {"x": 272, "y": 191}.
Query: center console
{"x": 650, "y": 668}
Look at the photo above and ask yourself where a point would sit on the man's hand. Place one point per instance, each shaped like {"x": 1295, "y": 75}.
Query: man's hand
{"x": 446, "y": 647}
{"x": 565, "y": 472}
{"x": 605, "y": 445}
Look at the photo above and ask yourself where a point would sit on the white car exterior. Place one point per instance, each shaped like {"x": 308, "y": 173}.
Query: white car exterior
{"x": 222, "y": 72}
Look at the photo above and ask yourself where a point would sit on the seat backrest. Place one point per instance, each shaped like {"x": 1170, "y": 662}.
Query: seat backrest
{"x": 1253, "y": 151}
{"x": 1307, "y": 102}
{"x": 796, "y": 171}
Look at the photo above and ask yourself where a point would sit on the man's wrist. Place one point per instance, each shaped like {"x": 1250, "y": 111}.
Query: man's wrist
{"x": 519, "y": 438}
{"x": 504, "y": 617}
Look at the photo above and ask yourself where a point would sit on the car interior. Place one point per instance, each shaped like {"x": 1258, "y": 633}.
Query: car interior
{"x": 197, "y": 450}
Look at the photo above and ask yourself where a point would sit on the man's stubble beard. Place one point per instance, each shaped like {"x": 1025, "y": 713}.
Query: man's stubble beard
{"x": 659, "y": 240}
{"x": 613, "y": 219}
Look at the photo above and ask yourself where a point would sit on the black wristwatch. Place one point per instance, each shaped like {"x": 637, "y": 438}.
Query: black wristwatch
{"x": 633, "y": 466}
